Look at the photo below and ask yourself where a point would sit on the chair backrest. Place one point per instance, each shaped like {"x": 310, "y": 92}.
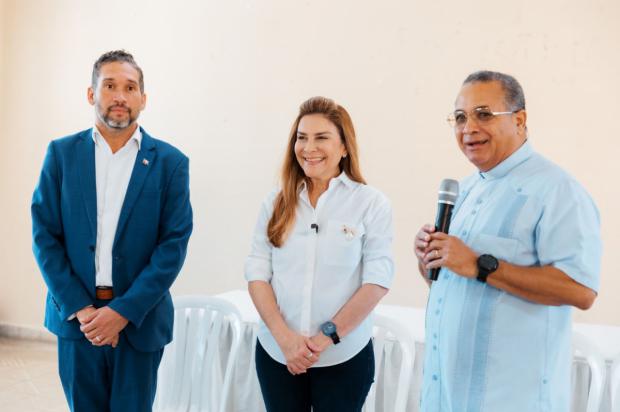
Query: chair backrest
{"x": 197, "y": 366}
{"x": 390, "y": 331}
{"x": 614, "y": 384}
{"x": 583, "y": 347}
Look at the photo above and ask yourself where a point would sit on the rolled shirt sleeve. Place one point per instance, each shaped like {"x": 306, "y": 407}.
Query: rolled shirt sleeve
{"x": 258, "y": 263}
{"x": 377, "y": 255}
{"x": 568, "y": 234}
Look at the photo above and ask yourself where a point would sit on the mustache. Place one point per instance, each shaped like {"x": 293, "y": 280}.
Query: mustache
{"x": 119, "y": 106}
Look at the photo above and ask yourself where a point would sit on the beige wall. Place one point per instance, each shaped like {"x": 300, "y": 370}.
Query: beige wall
{"x": 225, "y": 79}
{"x": 4, "y": 170}
{"x": 2, "y": 65}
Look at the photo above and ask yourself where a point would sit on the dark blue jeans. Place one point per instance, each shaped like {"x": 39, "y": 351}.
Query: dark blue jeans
{"x": 338, "y": 388}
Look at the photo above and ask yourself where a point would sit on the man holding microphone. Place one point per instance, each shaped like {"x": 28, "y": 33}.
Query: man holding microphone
{"x": 523, "y": 248}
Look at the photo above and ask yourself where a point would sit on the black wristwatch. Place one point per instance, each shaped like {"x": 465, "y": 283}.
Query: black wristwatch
{"x": 487, "y": 264}
{"x": 329, "y": 330}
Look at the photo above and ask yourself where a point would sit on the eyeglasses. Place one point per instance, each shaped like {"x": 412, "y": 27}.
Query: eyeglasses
{"x": 458, "y": 118}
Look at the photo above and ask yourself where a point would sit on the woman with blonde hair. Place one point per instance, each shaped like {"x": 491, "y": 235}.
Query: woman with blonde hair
{"x": 321, "y": 260}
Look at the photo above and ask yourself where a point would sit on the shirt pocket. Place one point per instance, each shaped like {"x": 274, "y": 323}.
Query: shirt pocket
{"x": 343, "y": 244}
{"x": 502, "y": 248}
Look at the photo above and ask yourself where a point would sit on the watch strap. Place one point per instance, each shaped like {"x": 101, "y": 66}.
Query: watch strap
{"x": 335, "y": 338}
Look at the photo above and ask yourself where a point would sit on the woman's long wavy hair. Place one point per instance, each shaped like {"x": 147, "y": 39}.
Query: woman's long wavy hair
{"x": 293, "y": 176}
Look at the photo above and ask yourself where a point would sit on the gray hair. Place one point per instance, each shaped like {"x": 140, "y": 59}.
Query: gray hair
{"x": 116, "y": 56}
{"x": 513, "y": 92}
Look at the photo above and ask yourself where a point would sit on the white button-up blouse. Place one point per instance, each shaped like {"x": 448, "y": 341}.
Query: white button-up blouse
{"x": 333, "y": 249}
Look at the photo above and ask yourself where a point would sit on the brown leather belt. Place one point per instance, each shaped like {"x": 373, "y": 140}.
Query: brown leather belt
{"x": 104, "y": 292}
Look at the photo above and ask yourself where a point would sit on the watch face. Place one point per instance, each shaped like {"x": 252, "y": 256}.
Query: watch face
{"x": 328, "y": 328}
{"x": 488, "y": 263}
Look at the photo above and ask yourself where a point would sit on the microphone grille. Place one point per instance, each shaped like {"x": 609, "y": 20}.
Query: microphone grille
{"x": 448, "y": 191}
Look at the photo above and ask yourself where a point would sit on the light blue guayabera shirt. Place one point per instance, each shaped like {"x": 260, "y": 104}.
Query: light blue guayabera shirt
{"x": 490, "y": 351}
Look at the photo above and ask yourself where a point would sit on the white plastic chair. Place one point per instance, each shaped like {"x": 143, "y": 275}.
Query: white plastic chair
{"x": 614, "y": 384}
{"x": 386, "y": 329}
{"x": 583, "y": 347}
{"x": 197, "y": 366}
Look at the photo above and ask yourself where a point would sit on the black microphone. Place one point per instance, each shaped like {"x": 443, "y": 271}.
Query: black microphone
{"x": 448, "y": 192}
{"x": 315, "y": 227}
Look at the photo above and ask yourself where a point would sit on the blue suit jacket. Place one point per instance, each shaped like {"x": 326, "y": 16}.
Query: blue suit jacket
{"x": 149, "y": 247}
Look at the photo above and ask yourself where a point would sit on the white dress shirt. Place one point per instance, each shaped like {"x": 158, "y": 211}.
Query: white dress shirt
{"x": 315, "y": 272}
{"x": 113, "y": 171}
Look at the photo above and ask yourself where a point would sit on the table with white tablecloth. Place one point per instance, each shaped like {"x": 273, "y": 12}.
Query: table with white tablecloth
{"x": 246, "y": 394}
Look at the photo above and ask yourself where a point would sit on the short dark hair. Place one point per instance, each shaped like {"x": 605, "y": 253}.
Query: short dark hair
{"x": 116, "y": 56}
{"x": 513, "y": 92}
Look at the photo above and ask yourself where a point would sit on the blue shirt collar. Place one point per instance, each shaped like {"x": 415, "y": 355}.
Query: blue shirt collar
{"x": 519, "y": 156}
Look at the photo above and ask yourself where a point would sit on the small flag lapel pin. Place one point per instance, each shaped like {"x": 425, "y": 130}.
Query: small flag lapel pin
{"x": 145, "y": 162}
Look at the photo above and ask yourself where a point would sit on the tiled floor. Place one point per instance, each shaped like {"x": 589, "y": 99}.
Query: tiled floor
{"x": 29, "y": 379}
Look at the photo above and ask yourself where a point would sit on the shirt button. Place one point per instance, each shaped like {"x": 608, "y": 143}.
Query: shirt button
{"x": 434, "y": 347}
{"x": 435, "y": 335}
{"x": 439, "y": 300}
{"x": 437, "y": 312}
{"x": 519, "y": 190}
{"x": 473, "y": 212}
{"x": 544, "y": 381}
{"x": 435, "y": 377}
{"x": 479, "y": 201}
{"x": 464, "y": 232}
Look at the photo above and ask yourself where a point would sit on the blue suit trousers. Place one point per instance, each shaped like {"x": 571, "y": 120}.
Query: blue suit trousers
{"x": 106, "y": 379}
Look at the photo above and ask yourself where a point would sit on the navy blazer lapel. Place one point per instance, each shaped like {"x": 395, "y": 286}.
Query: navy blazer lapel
{"x": 141, "y": 168}
{"x": 85, "y": 153}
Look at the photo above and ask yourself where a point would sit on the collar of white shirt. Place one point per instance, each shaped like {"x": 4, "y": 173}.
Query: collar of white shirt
{"x": 136, "y": 136}
{"x": 341, "y": 178}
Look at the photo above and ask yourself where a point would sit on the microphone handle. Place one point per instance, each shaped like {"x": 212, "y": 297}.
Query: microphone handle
{"x": 442, "y": 224}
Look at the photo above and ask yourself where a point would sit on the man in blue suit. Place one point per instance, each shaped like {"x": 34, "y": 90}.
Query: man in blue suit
{"x": 111, "y": 220}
